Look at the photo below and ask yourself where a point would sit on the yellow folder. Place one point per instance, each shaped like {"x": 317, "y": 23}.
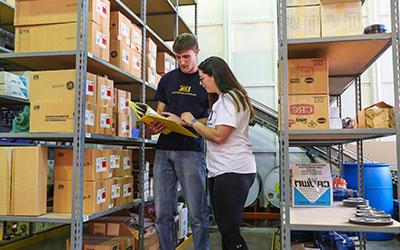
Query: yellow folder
{"x": 148, "y": 115}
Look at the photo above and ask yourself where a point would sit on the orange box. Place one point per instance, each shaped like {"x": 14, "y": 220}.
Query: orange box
{"x": 105, "y": 91}
{"x": 96, "y": 196}
{"x": 123, "y": 98}
{"x": 136, "y": 63}
{"x": 308, "y": 76}
{"x": 127, "y": 189}
{"x": 104, "y": 121}
{"x": 120, "y": 28}
{"x": 120, "y": 54}
{"x": 96, "y": 164}
{"x": 136, "y": 38}
{"x": 127, "y": 161}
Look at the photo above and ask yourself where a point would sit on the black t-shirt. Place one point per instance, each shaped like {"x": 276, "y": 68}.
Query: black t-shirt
{"x": 182, "y": 93}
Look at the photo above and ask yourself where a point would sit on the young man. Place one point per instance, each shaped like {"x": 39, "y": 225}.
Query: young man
{"x": 178, "y": 157}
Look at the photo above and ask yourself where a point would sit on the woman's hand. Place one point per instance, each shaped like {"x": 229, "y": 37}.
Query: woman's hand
{"x": 187, "y": 118}
{"x": 173, "y": 117}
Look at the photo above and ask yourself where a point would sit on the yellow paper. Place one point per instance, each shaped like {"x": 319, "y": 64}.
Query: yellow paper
{"x": 148, "y": 115}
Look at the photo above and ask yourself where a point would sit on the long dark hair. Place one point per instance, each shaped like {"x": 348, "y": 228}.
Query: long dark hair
{"x": 226, "y": 83}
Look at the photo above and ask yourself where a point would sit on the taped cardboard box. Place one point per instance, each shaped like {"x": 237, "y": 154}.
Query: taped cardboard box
{"x": 115, "y": 157}
{"x": 120, "y": 28}
{"x": 5, "y": 180}
{"x": 309, "y": 112}
{"x": 378, "y": 115}
{"x": 303, "y": 22}
{"x": 96, "y": 196}
{"x": 29, "y": 181}
{"x": 341, "y": 18}
{"x": 308, "y": 76}
{"x": 39, "y": 12}
{"x": 127, "y": 161}
{"x": 61, "y": 37}
{"x": 95, "y": 165}
{"x": 105, "y": 92}
{"x": 136, "y": 38}
{"x": 55, "y": 116}
{"x": 56, "y": 85}
{"x": 104, "y": 121}
{"x": 127, "y": 189}
{"x": 120, "y": 54}
{"x": 136, "y": 63}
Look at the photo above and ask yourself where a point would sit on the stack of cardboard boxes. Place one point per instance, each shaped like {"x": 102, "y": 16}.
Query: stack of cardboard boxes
{"x": 151, "y": 52}
{"x": 14, "y": 85}
{"x": 52, "y": 97}
{"x": 122, "y": 119}
{"x": 326, "y": 18}
{"x": 23, "y": 187}
{"x": 308, "y": 93}
{"x": 43, "y": 25}
{"x": 107, "y": 179}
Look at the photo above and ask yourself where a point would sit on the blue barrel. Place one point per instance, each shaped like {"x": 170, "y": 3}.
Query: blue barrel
{"x": 378, "y": 189}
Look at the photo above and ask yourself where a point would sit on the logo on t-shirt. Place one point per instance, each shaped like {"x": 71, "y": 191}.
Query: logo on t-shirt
{"x": 184, "y": 90}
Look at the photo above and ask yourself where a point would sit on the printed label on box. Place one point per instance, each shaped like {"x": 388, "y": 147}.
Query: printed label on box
{"x": 136, "y": 37}
{"x": 114, "y": 161}
{"x": 101, "y": 8}
{"x": 89, "y": 117}
{"x": 101, "y": 40}
{"x": 89, "y": 88}
{"x": 127, "y": 162}
{"x": 136, "y": 62}
{"x": 105, "y": 120}
{"x": 115, "y": 191}
{"x": 125, "y": 30}
{"x": 106, "y": 92}
{"x": 123, "y": 103}
{"x": 127, "y": 190}
{"x": 101, "y": 195}
{"x": 101, "y": 164}
{"x": 125, "y": 56}
{"x": 124, "y": 126}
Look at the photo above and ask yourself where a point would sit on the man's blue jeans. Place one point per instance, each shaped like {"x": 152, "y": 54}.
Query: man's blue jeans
{"x": 187, "y": 167}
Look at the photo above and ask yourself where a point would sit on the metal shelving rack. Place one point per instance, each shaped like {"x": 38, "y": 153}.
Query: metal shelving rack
{"x": 153, "y": 17}
{"x": 349, "y": 57}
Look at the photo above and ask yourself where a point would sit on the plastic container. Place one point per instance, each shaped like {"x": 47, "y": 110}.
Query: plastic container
{"x": 377, "y": 188}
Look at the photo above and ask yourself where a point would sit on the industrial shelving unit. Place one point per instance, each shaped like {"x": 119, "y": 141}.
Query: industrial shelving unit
{"x": 348, "y": 58}
{"x": 161, "y": 21}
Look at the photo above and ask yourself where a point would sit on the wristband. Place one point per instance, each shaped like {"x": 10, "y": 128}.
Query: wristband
{"x": 193, "y": 121}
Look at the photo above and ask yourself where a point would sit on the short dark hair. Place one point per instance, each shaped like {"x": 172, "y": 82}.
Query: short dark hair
{"x": 185, "y": 41}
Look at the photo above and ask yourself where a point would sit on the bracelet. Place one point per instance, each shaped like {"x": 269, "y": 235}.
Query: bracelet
{"x": 193, "y": 121}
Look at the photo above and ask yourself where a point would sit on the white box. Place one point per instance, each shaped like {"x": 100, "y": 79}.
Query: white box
{"x": 13, "y": 85}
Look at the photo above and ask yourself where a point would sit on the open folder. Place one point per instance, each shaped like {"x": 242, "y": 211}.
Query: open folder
{"x": 148, "y": 115}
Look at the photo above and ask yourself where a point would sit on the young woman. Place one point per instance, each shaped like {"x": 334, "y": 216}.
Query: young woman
{"x": 230, "y": 162}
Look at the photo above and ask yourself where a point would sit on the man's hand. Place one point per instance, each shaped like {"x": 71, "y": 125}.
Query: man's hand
{"x": 173, "y": 117}
{"x": 156, "y": 127}
{"x": 187, "y": 118}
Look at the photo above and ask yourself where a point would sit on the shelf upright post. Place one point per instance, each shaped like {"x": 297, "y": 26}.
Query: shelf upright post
{"x": 195, "y": 18}
{"x": 396, "y": 77}
{"x": 340, "y": 146}
{"x": 283, "y": 126}
{"x": 143, "y": 16}
{"x": 176, "y": 30}
{"x": 79, "y": 125}
{"x": 360, "y": 155}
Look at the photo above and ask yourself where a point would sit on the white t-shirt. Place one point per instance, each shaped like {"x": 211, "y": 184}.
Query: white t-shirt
{"x": 235, "y": 154}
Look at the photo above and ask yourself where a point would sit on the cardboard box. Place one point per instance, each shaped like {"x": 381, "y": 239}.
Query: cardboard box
{"x": 116, "y": 198}
{"x": 136, "y": 63}
{"x": 293, "y": 3}
{"x": 63, "y": 38}
{"x": 96, "y": 196}
{"x": 308, "y": 76}
{"x": 115, "y": 157}
{"x": 56, "y": 85}
{"x": 123, "y": 98}
{"x": 95, "y": 167}
{"x": 13, "y": 85}
{"x": 341, "y": 19}
{"x": 5, "y": 180}
{"x": 105, "y": 91}
{"x": 123, "y": 242}
{"x": 104, "y": 121}
{"x": 127, "y": 161}
{"x": 120, "y": 54}
{"x": 29, "y": 181}
{"x": 90, "y": 118}
{"x": 165, "y": 63}
{"x": 303, "y": 22}
{"x": 151, "y": 76}
{"x": 136, "y": 38}
{"x": 114, "y": 124}
{"x": 309, "y": 112}
{"x": 120, "y": 28}
{"x": 151, "y": 61}
{"x": 39, "y": 12}
{"x": 127, "y": 189}
{"x": 124, "y": 125}
{"x": 55, "y": 116}
{"x": 378, "y": 115}
{"x": 151, "y": 48}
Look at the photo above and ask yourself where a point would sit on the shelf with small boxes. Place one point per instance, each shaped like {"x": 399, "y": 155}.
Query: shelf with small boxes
{"x": 7, "y": 14}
